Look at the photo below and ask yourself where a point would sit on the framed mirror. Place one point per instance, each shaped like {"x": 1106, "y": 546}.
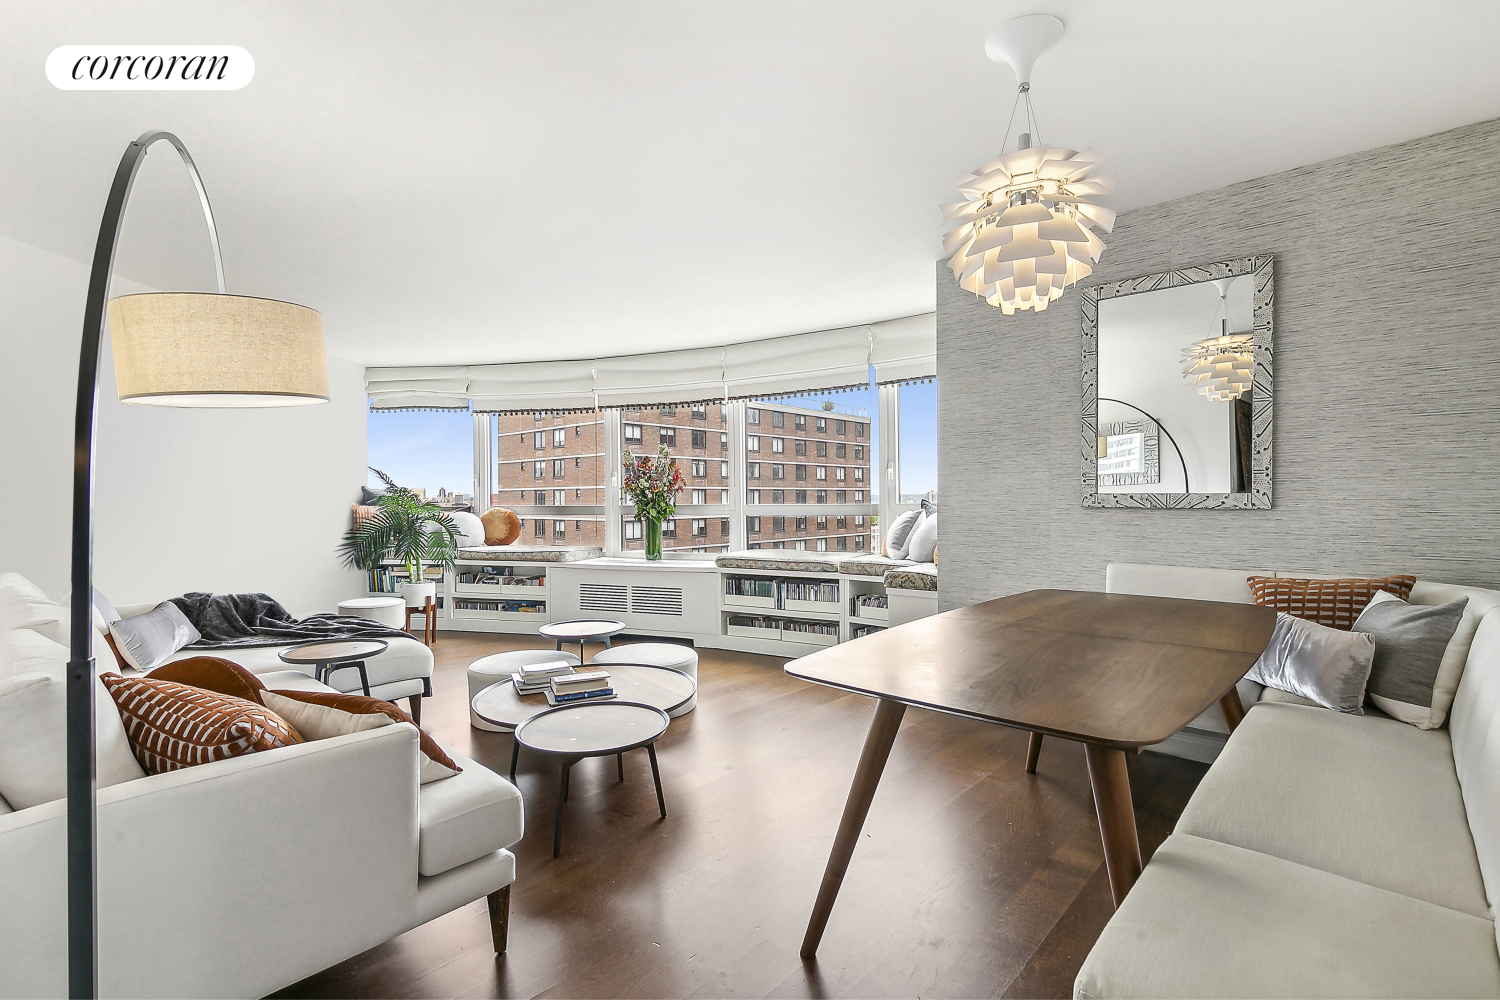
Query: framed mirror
{"x": 1177, "y": 388}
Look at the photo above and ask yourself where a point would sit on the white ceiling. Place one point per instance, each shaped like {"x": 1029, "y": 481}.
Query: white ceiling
{"x": 463, "y": 182}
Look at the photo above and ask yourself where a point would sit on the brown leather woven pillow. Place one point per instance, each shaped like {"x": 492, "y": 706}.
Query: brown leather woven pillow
{"x": 172, "y": 726}
{"x": 501, "y": 526}
{"x": 1335, "y": 603}
{"x": 212, "y": 673}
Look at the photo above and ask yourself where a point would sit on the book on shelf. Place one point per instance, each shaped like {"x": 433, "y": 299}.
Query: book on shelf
{"x": 754, "y": 621}
{"x": 872, "y": 601}
{"x": 749, "y": 586}
{"x": 599, "y": 694}
{"x": 824, "y": 592}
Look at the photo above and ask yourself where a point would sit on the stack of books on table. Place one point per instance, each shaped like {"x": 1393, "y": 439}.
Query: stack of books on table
{"x": 581, "y": 685}
{"x": 536, "y": 678}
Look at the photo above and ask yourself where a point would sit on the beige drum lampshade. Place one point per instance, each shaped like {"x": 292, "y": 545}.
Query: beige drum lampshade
{"x": 208, "y": 349}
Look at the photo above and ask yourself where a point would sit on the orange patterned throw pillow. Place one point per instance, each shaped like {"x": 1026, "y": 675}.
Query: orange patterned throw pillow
{"x": 172, "y": 726}
{"x": 1335, "y": 603}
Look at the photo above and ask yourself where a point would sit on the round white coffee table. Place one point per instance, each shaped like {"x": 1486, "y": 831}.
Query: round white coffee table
{"x": 582, "y": 630}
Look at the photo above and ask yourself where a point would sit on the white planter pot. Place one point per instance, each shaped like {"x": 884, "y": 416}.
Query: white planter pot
{"x": 416, "y": 594}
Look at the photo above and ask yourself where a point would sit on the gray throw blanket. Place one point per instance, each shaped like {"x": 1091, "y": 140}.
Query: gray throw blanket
{"x": 242, "y": 621}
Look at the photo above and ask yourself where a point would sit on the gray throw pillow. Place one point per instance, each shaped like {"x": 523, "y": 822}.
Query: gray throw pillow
{"x": 1410, "y": 640}
{"x": 1327, "y": 665}
{"x": 899, "y": 537}
{"x": 145, "y": 641}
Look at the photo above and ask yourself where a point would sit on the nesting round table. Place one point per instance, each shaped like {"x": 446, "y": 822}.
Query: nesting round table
{"x": 641, "y": 683}
{"x": 598, "y": 729}
{"x": 326, "y": 656}
{"x": 581, "y": 631}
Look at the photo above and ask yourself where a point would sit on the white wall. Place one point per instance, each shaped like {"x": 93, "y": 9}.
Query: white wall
{"x": 219, "y": 500}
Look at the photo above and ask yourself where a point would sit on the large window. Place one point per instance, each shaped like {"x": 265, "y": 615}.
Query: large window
{"x": 918, "y": 422}
{"x": 574, "y": 473}
{"x": 822, "y": 492}
{"x": 431, "y": 452}
{"x": 687, "y": 433}
{"x": 821, "y": 426}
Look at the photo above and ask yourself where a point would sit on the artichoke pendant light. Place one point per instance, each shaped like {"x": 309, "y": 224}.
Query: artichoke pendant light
{"x": 1223, "y": 367}
{"x": 1025, "y": 229}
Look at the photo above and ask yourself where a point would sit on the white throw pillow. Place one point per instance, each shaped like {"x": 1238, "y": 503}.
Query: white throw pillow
{"x": 146, "y": 641}
{"x": 33, "y": 728}
{"x": 470, "y": 528}
{"x": 899, "y": 537}
{"x": 321, "y": 722}
{"x": 923, "y": 540}
{"x": 1327, "y": 665}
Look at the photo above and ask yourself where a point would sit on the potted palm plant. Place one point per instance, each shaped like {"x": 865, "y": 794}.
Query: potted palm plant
{"x": 407, "y": 528}
{"x": 652, "y": 485}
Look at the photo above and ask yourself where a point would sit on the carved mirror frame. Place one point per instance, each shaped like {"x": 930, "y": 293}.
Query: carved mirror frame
{"x": 1261, "y": 267}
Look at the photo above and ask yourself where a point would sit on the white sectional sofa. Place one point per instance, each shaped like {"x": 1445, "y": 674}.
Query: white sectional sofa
{"x": 403, "y": 670}
{"x": 242, "y": 876}
{"x": 1324, "y": 855}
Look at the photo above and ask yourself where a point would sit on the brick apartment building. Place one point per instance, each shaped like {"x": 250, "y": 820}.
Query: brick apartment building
{"x": 794, "y": 455}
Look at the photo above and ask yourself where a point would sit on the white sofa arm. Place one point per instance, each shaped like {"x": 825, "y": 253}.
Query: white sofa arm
{"x": 229, "y": 879}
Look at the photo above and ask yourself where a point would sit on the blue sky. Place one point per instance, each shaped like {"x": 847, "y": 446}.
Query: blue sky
{"x": 919, "y": 438}
{"x": 426, "y": 450}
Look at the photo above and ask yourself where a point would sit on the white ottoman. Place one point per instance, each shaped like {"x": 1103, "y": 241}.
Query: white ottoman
{"x": 385, "y": 610}
{"x": 658, "y": 654}
{"x": 497, "y": 667}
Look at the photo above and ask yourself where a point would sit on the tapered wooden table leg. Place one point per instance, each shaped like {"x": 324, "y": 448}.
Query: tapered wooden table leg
{"x": 1234, "y": 709}
{"x": 866, "y": 777}
{"x": 1033, "y": 751}
{"x": 1122, "y": 848}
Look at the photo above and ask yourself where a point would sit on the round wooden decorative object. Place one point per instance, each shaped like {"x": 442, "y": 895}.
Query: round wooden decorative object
{"x": 501, "y": 526}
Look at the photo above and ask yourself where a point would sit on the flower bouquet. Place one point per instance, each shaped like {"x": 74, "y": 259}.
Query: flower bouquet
{"x": 651, "y": 484}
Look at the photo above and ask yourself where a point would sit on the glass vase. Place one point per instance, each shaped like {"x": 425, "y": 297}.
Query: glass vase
{"x": 653, "y": 538}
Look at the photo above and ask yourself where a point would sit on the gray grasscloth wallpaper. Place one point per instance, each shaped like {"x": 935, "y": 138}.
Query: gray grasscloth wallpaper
{"x": 1387, "y": 425}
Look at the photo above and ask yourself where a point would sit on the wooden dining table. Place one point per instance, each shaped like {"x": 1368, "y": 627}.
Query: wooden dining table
{"x": 1114, "y": 672}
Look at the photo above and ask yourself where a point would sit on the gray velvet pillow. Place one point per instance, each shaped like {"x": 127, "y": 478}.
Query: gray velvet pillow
{"x": 1327, "y": 665}
{"x": 1410, "y": 640}
{"x": 899, "y": 537}
{"x": 145, "y": 641}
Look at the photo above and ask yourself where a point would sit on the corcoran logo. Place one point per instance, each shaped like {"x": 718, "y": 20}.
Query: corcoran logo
{"x": 150, "y": 67}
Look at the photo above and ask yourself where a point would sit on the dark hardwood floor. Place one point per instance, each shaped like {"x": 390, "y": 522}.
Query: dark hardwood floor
{"x": 973, "y": 879}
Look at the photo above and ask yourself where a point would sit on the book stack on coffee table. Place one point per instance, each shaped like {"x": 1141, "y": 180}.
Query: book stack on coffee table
{"x": 580, "y": 685}
{"x": 536, "y": 678}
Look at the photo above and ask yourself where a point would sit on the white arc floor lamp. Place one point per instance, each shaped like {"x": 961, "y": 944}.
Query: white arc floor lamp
{"x": 171, "y": 349}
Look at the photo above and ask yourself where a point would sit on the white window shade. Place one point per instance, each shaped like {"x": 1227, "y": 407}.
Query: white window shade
{"x": 904, "y": 349}
{"x": 667, "y": 377}
{"x": 781, "y": 366}
{"x": 532, "y": 385}
{"x": 804, "y": 362}
{"x": 417, "y": 388}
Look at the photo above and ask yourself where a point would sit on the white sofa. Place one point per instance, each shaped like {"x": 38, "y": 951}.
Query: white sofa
{"x": 403, "y": 670}
{"x": 1324, "y": 854}
{"x": 239, "y": 877}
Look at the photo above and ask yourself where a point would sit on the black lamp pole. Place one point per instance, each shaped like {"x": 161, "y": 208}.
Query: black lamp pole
{"x": 83, "y": 967}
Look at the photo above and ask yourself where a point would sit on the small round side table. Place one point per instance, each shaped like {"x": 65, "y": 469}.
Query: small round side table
{"x": 582, "y": 630}
{"x": 601, "y": 729}
{"x": 326, "y": 656}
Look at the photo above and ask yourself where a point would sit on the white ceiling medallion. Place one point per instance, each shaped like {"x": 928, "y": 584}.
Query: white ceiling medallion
{"x": 1025, "y": 229}
{"x": 1221, "y": 367}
